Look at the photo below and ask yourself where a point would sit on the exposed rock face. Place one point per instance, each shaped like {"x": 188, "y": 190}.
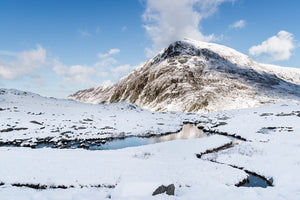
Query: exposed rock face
{"x": 169, "y": 190}
{"x": 199, "y": 77}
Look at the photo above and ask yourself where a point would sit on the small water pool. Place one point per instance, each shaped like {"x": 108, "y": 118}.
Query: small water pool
{"x": 256, "y": 181}
{"x": 188, "y": 131}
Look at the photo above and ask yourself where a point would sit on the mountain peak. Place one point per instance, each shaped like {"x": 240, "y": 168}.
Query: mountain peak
{"x": 198, "y": 76}
{"x": 208, "y": 50}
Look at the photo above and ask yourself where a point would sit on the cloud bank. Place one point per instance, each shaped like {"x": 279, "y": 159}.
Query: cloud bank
{"x": 23, "y": 63}
{"x": 75, "y": 73}
{"x": 278, "y": 47}
{"x": 89, "y": 75}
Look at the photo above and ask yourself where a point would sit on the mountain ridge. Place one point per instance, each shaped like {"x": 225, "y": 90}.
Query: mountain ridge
{"x": 196, "y": 76}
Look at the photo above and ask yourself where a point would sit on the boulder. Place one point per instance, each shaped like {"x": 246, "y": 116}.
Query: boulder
{"x": 170, "y": 190}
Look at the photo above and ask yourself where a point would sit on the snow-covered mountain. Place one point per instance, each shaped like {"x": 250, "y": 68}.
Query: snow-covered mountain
{"x": 199, "y": 77}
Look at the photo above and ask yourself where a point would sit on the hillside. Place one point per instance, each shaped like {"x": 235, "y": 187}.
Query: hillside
{"x": 199, "y": 77}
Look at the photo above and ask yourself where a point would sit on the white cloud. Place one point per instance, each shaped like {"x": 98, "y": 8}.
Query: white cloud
{"x": 238, "y": 24}
{"x": 86, "y": 75}
{"x": 75, "y": 73}
{"x": 23, "y": 63}
{"x": 167, "y": 20}
{"x": 122, "y": 69}
{"x": 84, "y": 33}
{"x": 278, "y": 47}
{"x": 105, "y": 63}
{"x": 109, "y": 53}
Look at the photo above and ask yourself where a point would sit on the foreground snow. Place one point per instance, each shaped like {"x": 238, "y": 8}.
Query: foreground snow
{"x": 271, "y": 149}
{"x": 132, "y": 171}
{"x": 27, "y": 118}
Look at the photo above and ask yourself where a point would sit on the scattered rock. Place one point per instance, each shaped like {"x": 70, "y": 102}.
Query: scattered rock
{"x": 266, "y": 114}
{"x": 219, "y": 124}
{"x": 87, "y": 120}
{"x": 35, "y": 122}
{"x": 33, "y": 186}
{"x": 285, "y": 114}
{"x": 66, "y": 132}
{"x": 161, "y": 189}
{"x": 21, "y": 128}
{"x": 268, "y": 130}
{"x": 170, "y": 190}
{"x": 107, "y": 127}
{"x": 121, "y": 135}
{"x": 6, "y": 130}
{"x": 80, "y": 128}
{"x": 223, "y": 118}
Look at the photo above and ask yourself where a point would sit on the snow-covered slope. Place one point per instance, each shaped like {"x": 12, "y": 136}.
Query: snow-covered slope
{"x": 271, "y": 150}
{"x": 199, "y": 77}
{"x": 27, "y": 119}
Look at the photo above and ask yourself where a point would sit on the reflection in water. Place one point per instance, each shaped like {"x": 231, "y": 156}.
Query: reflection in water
{"x": 188, "y": 131}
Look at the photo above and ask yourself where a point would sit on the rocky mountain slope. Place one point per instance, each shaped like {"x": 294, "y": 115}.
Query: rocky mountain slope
{"x": 199, "y": 77}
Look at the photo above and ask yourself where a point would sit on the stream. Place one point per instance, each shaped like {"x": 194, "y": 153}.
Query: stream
{"x": 188, "y": 131}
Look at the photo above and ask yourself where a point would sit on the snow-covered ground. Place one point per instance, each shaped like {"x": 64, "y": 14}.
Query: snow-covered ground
{"x": 27, "y": 119}
{"x": 271, "y": 149}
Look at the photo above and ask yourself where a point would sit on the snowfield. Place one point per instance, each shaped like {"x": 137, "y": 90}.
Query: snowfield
{"x": 263, "y": 140}
{"x": 27, "y": 119}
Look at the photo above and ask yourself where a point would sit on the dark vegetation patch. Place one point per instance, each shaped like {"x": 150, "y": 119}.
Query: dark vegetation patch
{"x": 43, "y": 187}
{"x": 268, "y": 130}
{"x": 297, "y": 113}
{"x": 223, "y": 147}
{"x": 36, "y": 122}
{"x": 212, "y": 131}
{"x": 266, "y": 114}
{"x": 13, "y": 129}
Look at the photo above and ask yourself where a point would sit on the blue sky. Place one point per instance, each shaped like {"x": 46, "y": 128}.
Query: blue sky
{"x": 56, "y": 47}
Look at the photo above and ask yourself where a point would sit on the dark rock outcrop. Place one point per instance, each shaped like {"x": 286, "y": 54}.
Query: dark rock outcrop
{"x": 169, "y": 190}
